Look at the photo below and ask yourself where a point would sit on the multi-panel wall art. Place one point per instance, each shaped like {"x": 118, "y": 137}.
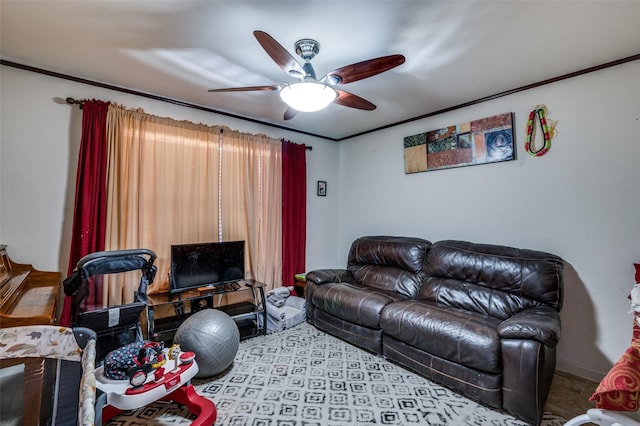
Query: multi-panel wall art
{"x": 488, "y": 140}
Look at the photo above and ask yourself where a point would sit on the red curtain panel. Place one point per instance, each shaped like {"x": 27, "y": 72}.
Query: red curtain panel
{"x": 89, "y": 214}
{"x": 294, "y": 210}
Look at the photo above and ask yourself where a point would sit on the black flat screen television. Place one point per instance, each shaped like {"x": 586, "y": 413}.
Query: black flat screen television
{"x": 204, "y": 264}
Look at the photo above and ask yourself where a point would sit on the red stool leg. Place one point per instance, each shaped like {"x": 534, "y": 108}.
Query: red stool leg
{"x": 108, "y": 412}
{"x": 202, "y": 407}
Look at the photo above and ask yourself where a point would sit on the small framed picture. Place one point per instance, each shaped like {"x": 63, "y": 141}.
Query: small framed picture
{"x": 322, "y": 188}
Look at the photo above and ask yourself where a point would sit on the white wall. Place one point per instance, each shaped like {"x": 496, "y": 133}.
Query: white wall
{"x": 580, "y": 200}
{"x": 39, "y": 141}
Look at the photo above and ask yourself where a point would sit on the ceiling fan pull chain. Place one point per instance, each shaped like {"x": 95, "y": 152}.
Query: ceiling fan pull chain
{"x": 548, "y": 128}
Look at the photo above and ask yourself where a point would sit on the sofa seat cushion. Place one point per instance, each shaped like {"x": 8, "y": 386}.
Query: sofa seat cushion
{"x": 352, "y": 302}
{"x": 467, "y": 338}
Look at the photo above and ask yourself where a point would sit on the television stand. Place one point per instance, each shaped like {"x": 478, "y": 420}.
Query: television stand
{"x": 166, "y": 312}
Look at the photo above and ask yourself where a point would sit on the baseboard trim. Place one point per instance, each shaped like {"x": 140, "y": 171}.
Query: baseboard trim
{"x": 576, "y": 370}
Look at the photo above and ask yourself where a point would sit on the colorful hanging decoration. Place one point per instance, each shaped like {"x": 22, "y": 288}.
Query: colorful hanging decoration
{"x": 548, "y": 128}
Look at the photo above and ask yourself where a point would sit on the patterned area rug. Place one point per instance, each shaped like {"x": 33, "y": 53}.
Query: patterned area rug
{"x": 304, "y": 377}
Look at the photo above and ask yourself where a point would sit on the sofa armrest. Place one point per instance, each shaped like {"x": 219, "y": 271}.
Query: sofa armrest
{"x": 322, "y": 276}
{"x": 541, "y": 323}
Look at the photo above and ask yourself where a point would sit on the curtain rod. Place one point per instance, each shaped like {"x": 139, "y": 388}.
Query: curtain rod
{"x": 80, "y": 102}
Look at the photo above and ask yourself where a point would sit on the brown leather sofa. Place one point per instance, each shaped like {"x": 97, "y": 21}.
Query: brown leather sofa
{"x": 480, "y": 319}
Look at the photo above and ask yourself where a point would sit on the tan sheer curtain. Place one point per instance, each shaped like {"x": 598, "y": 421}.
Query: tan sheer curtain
{"x": 252, "y": 201}
{"x": 163, "y": 189}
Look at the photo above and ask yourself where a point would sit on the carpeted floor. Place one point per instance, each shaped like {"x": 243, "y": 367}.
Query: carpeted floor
{"x": 305, "y": 377}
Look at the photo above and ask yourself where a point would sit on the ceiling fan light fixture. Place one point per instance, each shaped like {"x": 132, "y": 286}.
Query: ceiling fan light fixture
{"x": 308, "y": 96}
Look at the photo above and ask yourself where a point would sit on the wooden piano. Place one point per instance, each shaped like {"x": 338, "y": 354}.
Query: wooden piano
{"x": 27, "y": 297}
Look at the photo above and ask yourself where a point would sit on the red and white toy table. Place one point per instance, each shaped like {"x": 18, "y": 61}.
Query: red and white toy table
{"x": 173, "y": 383}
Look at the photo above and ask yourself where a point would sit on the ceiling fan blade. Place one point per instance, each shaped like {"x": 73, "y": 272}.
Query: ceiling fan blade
{"x": 279, "y": 54}
{"x": 290, "y": 113}
{"x": 246, "y": 89}
{"x": 353, "y": 101}
{"x": 364, "y": 69}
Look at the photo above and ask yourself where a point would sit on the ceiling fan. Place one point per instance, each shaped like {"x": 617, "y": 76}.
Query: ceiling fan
{"x": 310, "y": 94}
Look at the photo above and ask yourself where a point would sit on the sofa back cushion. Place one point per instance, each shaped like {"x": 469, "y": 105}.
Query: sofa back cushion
{"x": 389, "y": 263}
{"x": 490, "y": 279}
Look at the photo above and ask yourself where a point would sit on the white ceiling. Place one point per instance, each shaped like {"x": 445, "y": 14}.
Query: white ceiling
{"x": 456, "y": 51}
